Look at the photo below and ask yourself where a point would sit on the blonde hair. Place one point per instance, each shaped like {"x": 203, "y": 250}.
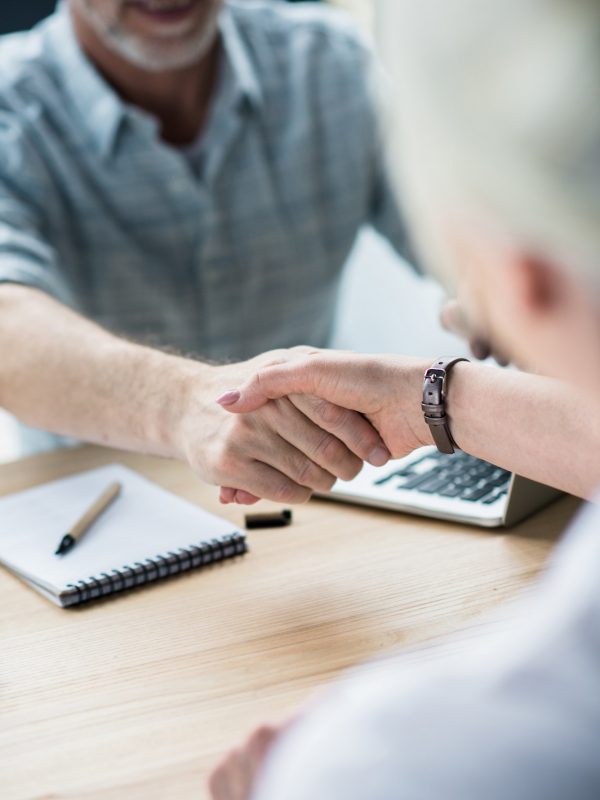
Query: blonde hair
{"x": 498, "y": 102}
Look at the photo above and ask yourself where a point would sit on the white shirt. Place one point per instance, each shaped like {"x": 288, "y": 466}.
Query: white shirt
{"x": 515, "y": 719}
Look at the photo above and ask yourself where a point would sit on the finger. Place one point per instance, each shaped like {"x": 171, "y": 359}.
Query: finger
{"x": 232, "y": 780}
{"x": 500, "y": 358}
{"x": 320, "y": 447}
{"x": 264, "y": 438}
{"x": 261, "y": 740}
{"x": 226, "y": 495}
{"x": 346, "y": 380}
{"x": 245, "y": 498}
{"x": 272, "y": 383}
{"x": 480, "y": 349}
{"x": 219, "y": 782}
{"x": 264, "y": 481}
{"x": 347, "y": 428}
{"x": 257, "y": 748}
{"x": 234, "y": 777}
{"x": 229, "y": 495}
{"x": 453, "y": 319}
{"x": 280, "y": 453}
{"x": 241, "y": 776}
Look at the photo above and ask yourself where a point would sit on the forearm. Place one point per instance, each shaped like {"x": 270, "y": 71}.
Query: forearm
{"x": 535, "y": 426}
{"x": 62, "y": 373}
{"x": 525, "y": 423}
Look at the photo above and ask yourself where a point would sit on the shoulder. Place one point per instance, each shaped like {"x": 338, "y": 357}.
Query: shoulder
{"x": 299, "y": 30}
{"x": 22, "y": 61}
{"x": 313, "y": 66}
{"x": 25, "y": 79}
{"x": 281, "y": 19}
{"x": 28, "y": 87}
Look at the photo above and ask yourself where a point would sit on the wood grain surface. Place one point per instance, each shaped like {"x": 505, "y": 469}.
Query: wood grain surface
{"x": 138, "y": 695}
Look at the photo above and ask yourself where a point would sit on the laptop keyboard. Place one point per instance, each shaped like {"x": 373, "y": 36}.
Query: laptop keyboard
{"x": 459, "y": 475}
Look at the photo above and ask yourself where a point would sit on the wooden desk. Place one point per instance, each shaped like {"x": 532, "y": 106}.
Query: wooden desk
{"x": 137, "y": 697}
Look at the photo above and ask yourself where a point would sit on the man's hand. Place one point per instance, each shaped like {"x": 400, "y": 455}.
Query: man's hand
{"x": 122, "y": 394}
{"x": 235, "y": 776}
{"x": 454, "y": 319}
{"x": 385, "y": 389}
{"x": 283, "y": 451}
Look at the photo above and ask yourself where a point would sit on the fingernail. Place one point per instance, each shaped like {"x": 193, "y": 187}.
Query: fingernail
{"x": 379, "y": 456}
{"x": 480, "y": 349}
{"x": 229, "y": 398}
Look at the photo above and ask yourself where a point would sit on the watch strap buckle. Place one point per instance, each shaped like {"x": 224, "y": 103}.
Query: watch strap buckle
{"x": 433, "y": 403}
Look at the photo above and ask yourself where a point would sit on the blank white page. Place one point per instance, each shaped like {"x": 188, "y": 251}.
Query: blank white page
{"x": 143, "y": 522}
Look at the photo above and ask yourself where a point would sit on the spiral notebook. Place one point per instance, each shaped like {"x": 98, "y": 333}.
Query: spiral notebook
{"x": 148, "y": 534}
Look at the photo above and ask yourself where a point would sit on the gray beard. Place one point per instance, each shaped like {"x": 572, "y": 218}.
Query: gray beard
{"x": 148, "y": 57}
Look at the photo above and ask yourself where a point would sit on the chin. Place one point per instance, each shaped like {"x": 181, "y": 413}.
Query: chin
{"x": 156, "y": 47}
{"x": 162, "y": 55}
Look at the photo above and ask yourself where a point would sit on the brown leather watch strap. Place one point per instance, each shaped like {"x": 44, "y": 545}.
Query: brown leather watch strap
{"x": 434, "y": 402}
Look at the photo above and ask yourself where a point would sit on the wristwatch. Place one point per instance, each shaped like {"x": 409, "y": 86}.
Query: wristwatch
{"x": 434, "y": 402}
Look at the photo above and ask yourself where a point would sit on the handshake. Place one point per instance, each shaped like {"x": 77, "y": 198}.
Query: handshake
{"x": 300, "y": 419}
{"x": 291, "y": 422}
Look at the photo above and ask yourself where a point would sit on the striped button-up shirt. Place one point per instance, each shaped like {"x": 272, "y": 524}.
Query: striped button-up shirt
{"x": 225, "y": 251}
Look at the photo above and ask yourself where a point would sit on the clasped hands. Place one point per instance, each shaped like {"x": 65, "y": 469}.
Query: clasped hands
{"x": 360, "y": 408}
{"x": 291, "y": 422}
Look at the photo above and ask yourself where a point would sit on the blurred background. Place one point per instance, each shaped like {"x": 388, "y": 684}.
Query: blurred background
{"x": 20, "y": 16}
{"x": 383, "y": 306}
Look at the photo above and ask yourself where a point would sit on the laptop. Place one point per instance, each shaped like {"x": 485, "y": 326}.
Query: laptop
{"x": 456, "y": 487}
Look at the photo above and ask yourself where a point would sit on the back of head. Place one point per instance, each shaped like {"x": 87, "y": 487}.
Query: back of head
{"x": 497, "y": 106}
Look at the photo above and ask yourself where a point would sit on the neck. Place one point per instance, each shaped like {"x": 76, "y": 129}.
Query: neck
{"x": 179, "y": 98}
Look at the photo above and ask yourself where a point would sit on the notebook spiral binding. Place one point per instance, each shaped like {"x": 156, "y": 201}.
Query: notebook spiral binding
{"x": 154, "y": 569}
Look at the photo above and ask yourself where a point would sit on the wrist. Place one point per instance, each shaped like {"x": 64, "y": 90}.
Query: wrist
{"x": 457, "y": 402}
{"x": 436, "y": 402}
{"x": 183, "y": 383}
{"x": 420, "y": 428}
{"x": 406, "y": 402}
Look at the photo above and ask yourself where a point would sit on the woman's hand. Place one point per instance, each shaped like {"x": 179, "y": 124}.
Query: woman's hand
{"x": 284, "y": 450}
{"x": 234, "y": 778}
{"x": 385, "y": 389}
{"x": 454, "y": 319}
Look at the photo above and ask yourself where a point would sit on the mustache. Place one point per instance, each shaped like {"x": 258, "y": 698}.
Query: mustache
{"x": 120, "y": 6}
{"x": 160, "y": 5}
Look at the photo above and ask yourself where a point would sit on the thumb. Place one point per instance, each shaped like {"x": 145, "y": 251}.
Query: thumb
{"x": 453, "y": 319}
{"x": 272, "y": 383}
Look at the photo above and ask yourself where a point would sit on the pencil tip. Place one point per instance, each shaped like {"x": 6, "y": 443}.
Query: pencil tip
{"x": 65, "y": 545}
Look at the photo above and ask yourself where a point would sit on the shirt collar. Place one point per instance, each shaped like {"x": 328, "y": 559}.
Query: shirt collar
{"x": 100, "y": 108}
{"x": 241, "y": 69}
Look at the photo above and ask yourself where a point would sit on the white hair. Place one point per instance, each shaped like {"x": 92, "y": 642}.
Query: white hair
{"x": 150, "y": 56}
{"x": 497, "y": 104}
